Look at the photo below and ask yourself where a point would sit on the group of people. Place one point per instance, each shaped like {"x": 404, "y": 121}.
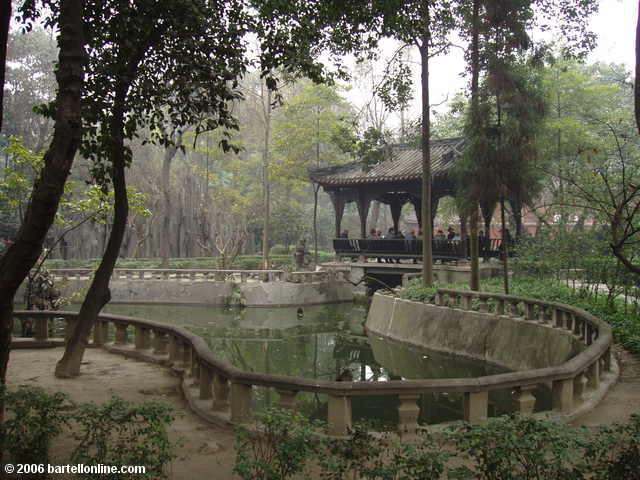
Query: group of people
{"x": 392, "y": 234}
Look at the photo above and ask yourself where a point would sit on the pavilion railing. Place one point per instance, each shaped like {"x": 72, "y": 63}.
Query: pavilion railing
{"x": 223, "y": 393}
{"x": 403, "y": 248}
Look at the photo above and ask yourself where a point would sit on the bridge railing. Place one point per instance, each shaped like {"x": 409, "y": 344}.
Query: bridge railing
{"x": 210, "y": 275}
{"x": 223, "y": 393}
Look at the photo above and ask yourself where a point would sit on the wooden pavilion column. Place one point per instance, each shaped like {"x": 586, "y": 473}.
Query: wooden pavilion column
{"x": 396, "y": 210}
{"x": 338, "y": 201}
{"x": 417, "y": 207}
{"x": 363, "y": 203}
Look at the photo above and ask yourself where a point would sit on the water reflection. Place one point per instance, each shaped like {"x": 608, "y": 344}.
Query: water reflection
{"x": 323, "y": 342}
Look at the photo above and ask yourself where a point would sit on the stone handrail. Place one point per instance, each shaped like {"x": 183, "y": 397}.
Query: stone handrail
{"x": 222, "y": 392}
{"x": 214, "y": 275}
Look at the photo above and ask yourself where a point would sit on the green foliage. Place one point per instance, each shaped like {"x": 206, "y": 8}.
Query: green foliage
{"x": 279, "y": 450}
{"x": 517, "y": 448}
{"x": 119, "y": 433}
{"x": 33, "y": 419}
{"x": 613, "y": 452}
{"x": 382, "y": 456}
{"x": 417, "y": 292}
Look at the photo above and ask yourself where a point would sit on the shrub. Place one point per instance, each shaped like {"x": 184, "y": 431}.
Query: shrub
{"x": 118, "y": 433}
{"x": 517, "y": 448}
{"x": 614, "y": 451}
{"x": 279, "y": 451}
{"x": 33, "y": 419}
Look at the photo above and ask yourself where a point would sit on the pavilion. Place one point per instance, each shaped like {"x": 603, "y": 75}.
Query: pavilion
{"x": 396, "y": 181}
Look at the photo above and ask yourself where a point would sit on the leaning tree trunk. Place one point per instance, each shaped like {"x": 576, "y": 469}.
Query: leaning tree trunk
{"x": 47, "y": 190}
{"x": 99, "y": 294}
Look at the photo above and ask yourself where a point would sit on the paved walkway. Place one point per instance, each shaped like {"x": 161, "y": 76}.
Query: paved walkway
{"x": 207, "y": 452}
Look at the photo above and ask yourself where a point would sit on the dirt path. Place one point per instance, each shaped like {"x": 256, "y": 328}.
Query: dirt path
{"x": 207, "y": 452}
{"x": 623, "y": 399}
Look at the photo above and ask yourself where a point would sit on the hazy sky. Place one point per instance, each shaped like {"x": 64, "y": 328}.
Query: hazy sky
{"x": 614, "y": 24}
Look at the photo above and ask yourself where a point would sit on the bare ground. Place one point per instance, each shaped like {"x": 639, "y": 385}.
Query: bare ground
{"x": 206, "y": 451}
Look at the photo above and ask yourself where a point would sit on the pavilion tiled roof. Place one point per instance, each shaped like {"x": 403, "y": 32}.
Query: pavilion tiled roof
{"x": 404, "y": 163}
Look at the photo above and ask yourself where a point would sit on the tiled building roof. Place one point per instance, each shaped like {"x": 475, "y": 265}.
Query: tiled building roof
{"x": 404, "y": 163}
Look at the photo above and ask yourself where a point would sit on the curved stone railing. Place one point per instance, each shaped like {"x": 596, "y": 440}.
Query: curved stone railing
{"x": 212, "y": 275}
{"x": 222, "y": 393}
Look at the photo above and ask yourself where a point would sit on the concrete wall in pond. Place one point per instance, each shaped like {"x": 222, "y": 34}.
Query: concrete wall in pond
{"x": 255, "y": 294}
{"x": 510, "y": 342}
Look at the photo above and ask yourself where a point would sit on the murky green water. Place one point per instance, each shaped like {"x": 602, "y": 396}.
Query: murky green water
{"x": 323, "y": 342}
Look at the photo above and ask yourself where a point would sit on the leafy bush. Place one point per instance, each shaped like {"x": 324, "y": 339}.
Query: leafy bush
{"x": 279, "y": 451}
{"x": 33, "y": 419}
{"x": 417, "y": 292}
{"x": 613, "y": 452}
{"x": 383, "y": 456}
{"x": 518, "y": 448}
{"x": 119, "y": 433}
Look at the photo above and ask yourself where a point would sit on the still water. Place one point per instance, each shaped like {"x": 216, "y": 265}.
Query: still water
{"x": 323, "y": 342}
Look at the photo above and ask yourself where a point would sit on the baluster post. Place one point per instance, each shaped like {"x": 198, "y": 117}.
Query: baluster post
{"x": 220, "y": 393}
{"x": 580, "y": 386}
{"x": 558, "y": 318}
{"x": 593, "y": 374}
{"x": 562, "y": 395}
{"x": 121, "y": 333}
{"x": 100, "y": 333}
{"x": 205, "y": 384}
{"x": 240, "y": 402}
{"x": 408, "y": 413}
{"x": 41, "y": 329}
{"x": 142, "y": 339}
{"x": 339, "y": 415}
{"x": 525, "y": 400}
{"x": 476, "y": 406}
{"x": 159, "y": 342}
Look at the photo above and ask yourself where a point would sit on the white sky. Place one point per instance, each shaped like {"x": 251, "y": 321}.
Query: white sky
{"x": 614, "y": 24}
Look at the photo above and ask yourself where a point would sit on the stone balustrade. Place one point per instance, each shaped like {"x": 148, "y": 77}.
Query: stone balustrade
{"x": 241, "y": 276}
{"x": 222, "y": 393}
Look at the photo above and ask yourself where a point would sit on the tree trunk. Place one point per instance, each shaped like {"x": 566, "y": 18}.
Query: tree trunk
{"x": 23, "y": 254}
{"x": 99, "y": 294}
{"x": 427, "y": 234}
{"x": 165, "y": 185}
{"x": 265, "y": 181}
{"x": 637, "y": 84}
{"x": 4, "y": 39}
{"x": 474, "y": 249}
{"x": 505, "y": 249}
{"x": 316, "y": 189}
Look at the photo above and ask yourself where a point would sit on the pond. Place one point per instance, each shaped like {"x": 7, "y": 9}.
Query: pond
{"x": 325, "y": 342}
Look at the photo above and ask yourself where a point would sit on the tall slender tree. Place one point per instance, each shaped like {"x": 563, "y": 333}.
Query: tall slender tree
{"x": 424, "y": 24}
